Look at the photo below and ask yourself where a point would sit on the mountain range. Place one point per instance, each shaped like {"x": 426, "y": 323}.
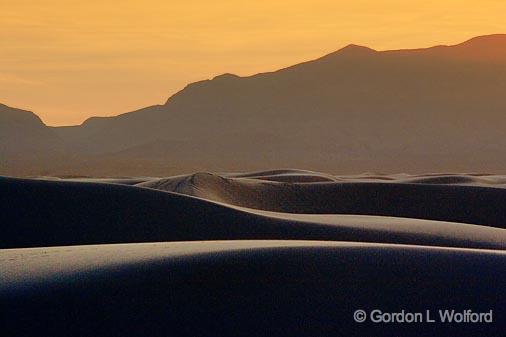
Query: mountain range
{"x": 355, "y": 110}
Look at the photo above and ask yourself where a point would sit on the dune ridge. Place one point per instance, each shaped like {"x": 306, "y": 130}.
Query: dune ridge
{"x": 299, "y": 191}
{"x": 244, "y": 288}
{"x": 284, "y": 204}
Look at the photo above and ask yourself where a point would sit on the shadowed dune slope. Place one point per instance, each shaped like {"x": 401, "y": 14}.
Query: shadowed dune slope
{"x": 212, "y": 207}
{"x": 244, "y": 288}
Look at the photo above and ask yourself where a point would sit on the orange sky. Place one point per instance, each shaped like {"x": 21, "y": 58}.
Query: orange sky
{"x": 67, "y": 60}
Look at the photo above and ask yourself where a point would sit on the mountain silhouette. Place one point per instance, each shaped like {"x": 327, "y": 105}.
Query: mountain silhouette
{"x": 357, "y": 109}
{"x": 27, "y": 145}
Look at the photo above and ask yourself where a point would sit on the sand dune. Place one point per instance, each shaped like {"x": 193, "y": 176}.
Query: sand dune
{"x": 460, "y": 198}
{"x": 303, "y": 251}
{"x": 208, "y": 206}
{"x": 244, "y": 288}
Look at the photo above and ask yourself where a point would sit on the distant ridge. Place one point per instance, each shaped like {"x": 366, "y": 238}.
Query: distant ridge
{"x": 354, "y": 110}
{"x": 485, "y": 48}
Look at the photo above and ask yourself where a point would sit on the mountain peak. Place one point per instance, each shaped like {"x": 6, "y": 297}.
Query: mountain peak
{"x": 350, "y": 51}
{"x": 354, "y": 49}
{"x": 224, "y": 77}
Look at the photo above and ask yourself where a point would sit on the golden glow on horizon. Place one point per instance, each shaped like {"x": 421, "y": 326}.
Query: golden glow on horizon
{"x": 68, "y": 60}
